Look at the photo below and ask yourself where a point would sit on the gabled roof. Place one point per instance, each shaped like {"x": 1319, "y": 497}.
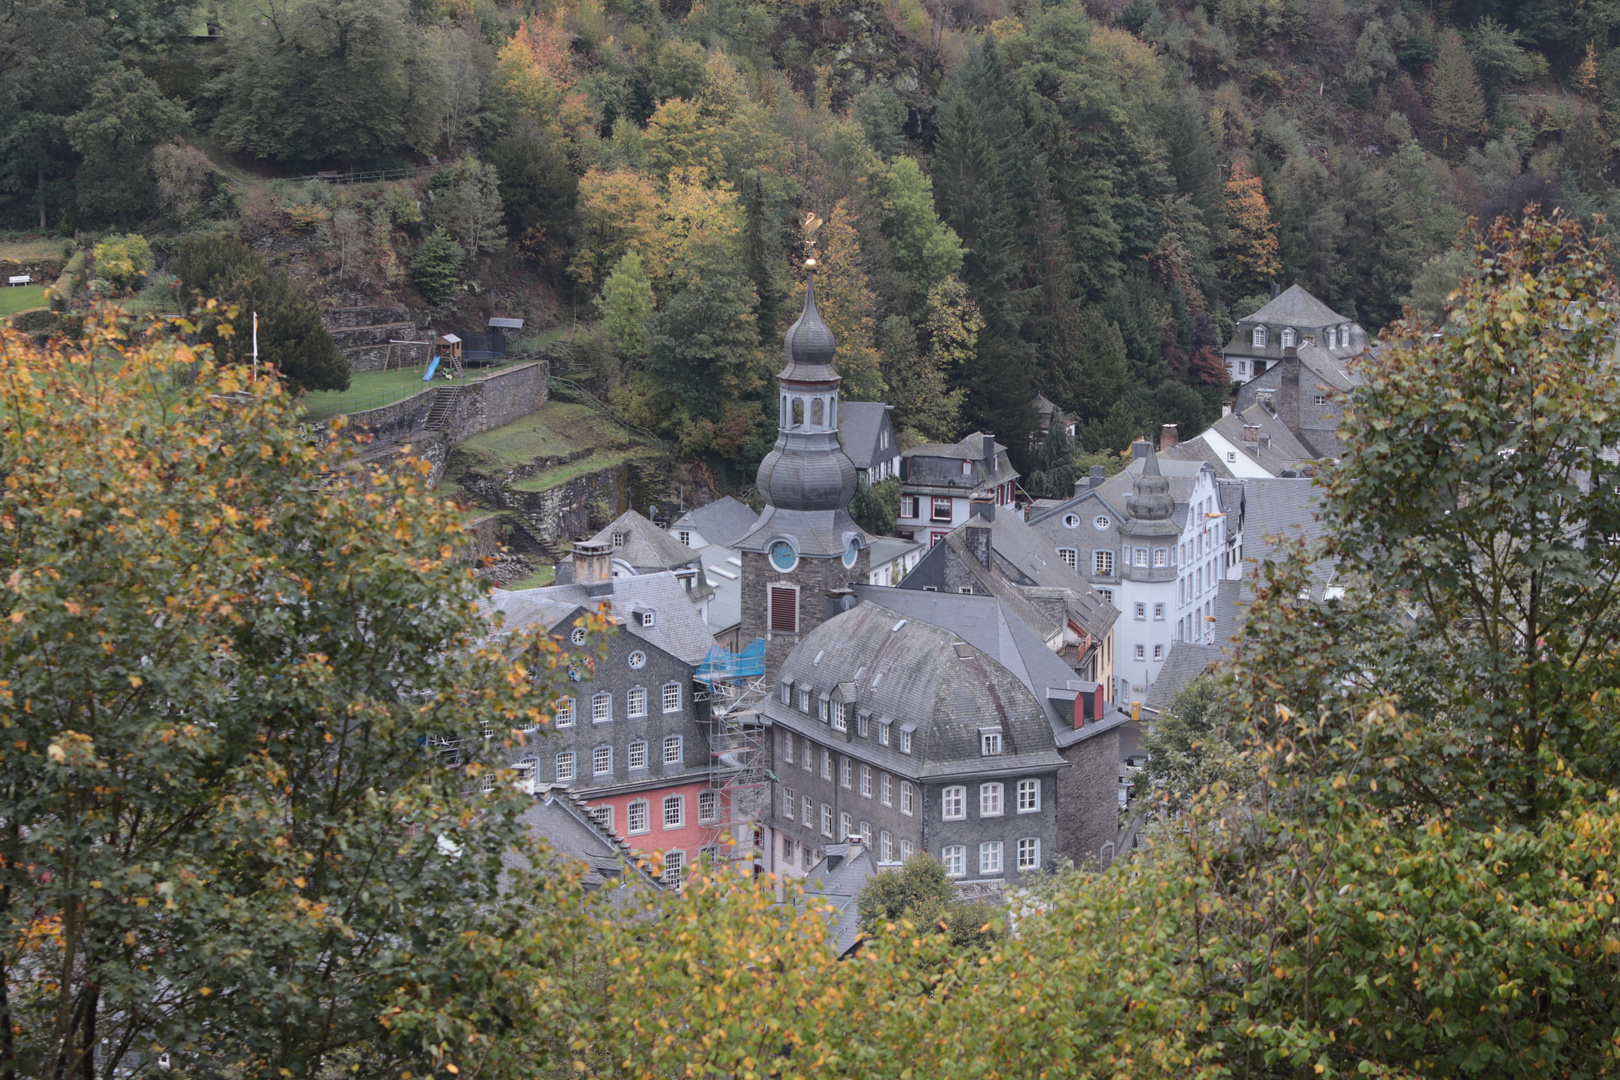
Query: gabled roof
{"x": 561, "y": 819}
{"x": 722, "y": 522}
{"x": 1329, "y": 368}
{"x": 859, "y": 423}
{"x": 677, "y": 628}
{"x": 836, "y": 881}
{"x": 1186, "y": 661}
{"x": 922, "y": 470}
{"x": 645, "y": 545}
{"x": 1282, "y": 451}
{"x": 1296, "y": 307}
{"x": 1183, "y": 477}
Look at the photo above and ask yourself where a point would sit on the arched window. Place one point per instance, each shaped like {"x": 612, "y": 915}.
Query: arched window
{"x": 782, "y": 418}
{"x": 798, "y": 411}
{"x": 1258, "y": 337}
{"x": 1288, "y": 338}
{"x": 816, "y": 409}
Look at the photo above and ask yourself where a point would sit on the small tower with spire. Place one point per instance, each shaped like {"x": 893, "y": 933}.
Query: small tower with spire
{"x": 805, "y": 544}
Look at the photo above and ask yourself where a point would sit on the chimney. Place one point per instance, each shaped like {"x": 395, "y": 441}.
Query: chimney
{"x": 1140, "y": 449}
{"x": 983, "y": 504}
{"x": 1098, "y": 475}
{"x": 976, "y": 534}
{"x": 989, "y": 458}
{"x": 1275, "y": 291}
{"x": 1251, "y": 433}
{"x": 591, "y": 568}
{"x": 1167, "y": 437}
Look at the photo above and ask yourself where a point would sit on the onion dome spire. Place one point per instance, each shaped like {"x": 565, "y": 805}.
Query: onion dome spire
{"x": 809, "y": 344}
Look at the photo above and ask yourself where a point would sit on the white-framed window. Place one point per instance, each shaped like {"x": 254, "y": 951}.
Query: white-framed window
{"x": 619, "y": 538}
{"x": 635, "y": 702}
{"x": 601, "y": 708}
{"x": 1071, "y": 521}
{"x": 1141, "y": 610}
{"x": 787, "y": 747}
{"x": 990, "y": 857}
{"x": 906, "y": 850}
{"x": 685, "y": 537}
{"x": 603, "y": 816}
{"x": 708, "y": 805}
{"x": 602, "y": 761}
{"x": 648, "y": 618}
{"x": 942, "y": 507}
{"x": 565, "y": 712}
{"x": 638, "y": 754}
{"x": 1106, "y": 594}
{"x": 826, "y": 820}
{"x": 886, "y": 789}
{"x": 1161, "y": 556}
{"x": 846, "y": 773}
{"x": 1319, "y": 399}
{"x": 908, "y": 506}
{"x": 672, "y": 750}
{"x": 1102, "y": 563}
{"x": 565, "y": 765}
{"x": 989, "y": 743}
{"x": 1243, "y": 367}
{"x": 1231, "y": 455}
{"x": 883, "y": 733}
{"x": 1029, "y": 796}
{"x": 967, "y": 468}
{"x": 1257, "y": 337}
{"x": 840, "y": 720}
{"x": 908, "y": 795}
{"x": 846, "y": 826}
{"x": 824, "y": 710}
{"x": 886, "y": 846}
{"x": 1029, "y": 853}
{"x": 807, "y": 756}
{"x": 826, "y": 763}
{"x": 1289, "y": 339}
{"x": 863, "y": 724}
{"x": 674, "y": 811}
{"x": 804, "y": 699}
{"x": 990, "y": 800}
{"x": 1158, "y": 652}
{"x": 905, "y": 741}
{"x": 672, "y": 697}
{"x": 954, "y": 856}
{"x": 1158, "y": 611}
{"x": 787, "y": 802}
{"x": 865, "y": 832}
{"x": 636, "y": 817}
{"x": 953, "y": 803}
{"x": 1141, "y": 556}
{"x": 809, "y": 812}
{"x": 1070, "y": 557}
{"x": 866, "y": 781}
{"x": 674, "y": 868}
{"x": 1141, "y": 652}
{"x": 787, "y": 693}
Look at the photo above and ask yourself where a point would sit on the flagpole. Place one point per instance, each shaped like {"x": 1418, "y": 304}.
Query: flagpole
{"x": 253, "y": 376}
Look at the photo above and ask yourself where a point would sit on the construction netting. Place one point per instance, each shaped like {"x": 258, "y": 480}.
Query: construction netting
{"x": 723, "y": 666}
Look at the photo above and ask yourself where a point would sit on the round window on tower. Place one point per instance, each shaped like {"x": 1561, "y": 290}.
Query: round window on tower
{"x": 783, "y": 557}
{"x": 638, "y": 660}
{"x": 852, "y": 551}
{"x": 1102, "y": 522}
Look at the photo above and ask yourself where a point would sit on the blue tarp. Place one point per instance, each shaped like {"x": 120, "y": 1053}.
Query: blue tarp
{"x": 723, "y": 666}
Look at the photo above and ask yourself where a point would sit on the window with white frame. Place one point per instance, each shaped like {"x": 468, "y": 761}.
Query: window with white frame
{"x": 954, "y": 856}
{"x": 635, "y": 702}
{"x": 1141, "y": 610}
{"x": 883, "y": 733}
{"x": 708, "y": 806}
{"x": 1231, "y": 455}
{"x": 826, "y": 820}
{"x": 565, "y": 712}
{"x": 788, "y": 804}
{"x": 648, "y": 618}
{"x": 1102, "y": 563}
{"x": 565, "y": 766}
{"x": 846, "y": 826}
{"x": 990, "y": 857}
{"x": 863, "y": 724}
{"x": 787, "y": 693}
{"x": 1257, "y": 337}
{"x": 1141, "y": 556}
{"x": 826, "y": 763}
{"x": 787, "y": 747}
{"x": 1289, "y": 339}
{"x": 1141, "y": 652}
{"x": 804, "y": 699}
{"x": 907, "y": 850}
{"x": 808, "y": 816}
{"x": 846, "y": 773}
{"x": 990, "y": 800}
{"x": 1029, "y": 853}
{"x": 989, "y": 743}
{"x": 865, "y": 832}
{"x": 672, "y": 749}
{"x": 807, "y": 756}
{"x": 886, "y": 790}
{"x": 1319, "y": 399}
{"x": 1158, "y": 652}
{"x": 840, "y": 720}
{"x": 1158, "y": 611}
{"x": 674, "y": 869}
{"x": 866, "y": 781}
{"x": 684, "y": 537}
{"x": 1029, "y": 796}
{"x": 1069, "y": 557}
{"x": 905, "y": 741}
{"x": 908, "y": 506}
{"x": 601, "y": 708}
{"x": 942, "y": 507}
{"x": 618, "y": 539}
{"x": 886, "y": 846}
{"x": 672, "y": 697}
{"x": 1161, "y": 556}
{"x": 602, "y": 761}
{"x": 674, "y": 811}
{"x": 603, "y": 816}
{"x": 638, "y": 754}
{"x": 908, "y": 796}
{"x": 1106, "y": 594}
{"x": 635, "y": 816}
{"x": 953, "y": 803}
{"x": 824, "y": 710}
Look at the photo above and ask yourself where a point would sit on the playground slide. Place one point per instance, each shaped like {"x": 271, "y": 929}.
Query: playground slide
{"x": 433, "y": 367}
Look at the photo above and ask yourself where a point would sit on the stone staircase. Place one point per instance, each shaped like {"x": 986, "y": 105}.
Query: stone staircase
{"x": 363, "y": 333}
{"x": 444, "y": 404}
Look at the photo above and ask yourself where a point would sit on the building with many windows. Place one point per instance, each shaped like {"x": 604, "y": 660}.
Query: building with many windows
{"x": 938, "y": 483}
{"x": 633, "y": 737}
{"x": 1292, "y": 320}
{"x": 904, "y": 734}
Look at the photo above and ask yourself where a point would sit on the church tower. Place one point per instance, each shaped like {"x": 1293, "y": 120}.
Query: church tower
{"x": 805, "y": 544}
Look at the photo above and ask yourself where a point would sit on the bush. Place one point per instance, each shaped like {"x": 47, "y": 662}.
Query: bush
{"x": 123, "y": 260}
{"x": 436, "y": 270}
{"x": 35, "y": 321}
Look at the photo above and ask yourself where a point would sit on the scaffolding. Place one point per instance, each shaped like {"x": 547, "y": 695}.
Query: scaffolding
{"x": 734, "y": 686}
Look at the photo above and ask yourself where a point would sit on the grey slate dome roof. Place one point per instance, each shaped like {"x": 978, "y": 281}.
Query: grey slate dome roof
{"x": 795, "y": 478}
{"x": 809, "y": 344}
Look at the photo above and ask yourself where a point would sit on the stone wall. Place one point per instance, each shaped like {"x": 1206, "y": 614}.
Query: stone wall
{"x": 496, "y": 400}
{"x": 1088, "y": 799}
{"x": 814, "y": 577}
{"x": 576, "y": 507}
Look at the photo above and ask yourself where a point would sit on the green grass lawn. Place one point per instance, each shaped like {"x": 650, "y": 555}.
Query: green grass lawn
{"x": 372, "y": 389}
{"x": 21, "y": 299}
{"x": 543, "y": 576}
{"x": 555, "y": 429}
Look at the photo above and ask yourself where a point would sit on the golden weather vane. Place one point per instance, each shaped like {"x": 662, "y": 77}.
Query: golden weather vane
{"x": 810, "y": 223}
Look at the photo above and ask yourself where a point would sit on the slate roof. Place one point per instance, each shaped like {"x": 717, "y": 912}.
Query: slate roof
{"x": 1283, "y": 450}
{"x": 646, "y": 546}
{"x": 859, "y": 423}
{"x": 560, "y": 818}
{"x": 1328, "y": 367}
{"x": 722, "y": 522}
{"x": 924, "y": 466}
{"x": 725, "y": 606}
{"x": 914, "y": 673}
{"x": 1294, "y": 306}
{"x": 1280, "y": 510}
{"x": 885, "y": 549}
{"x": 1183, "y": 477}
{"x": 677, "y": 628}
{"x": 836, "y": 881}
{"x": 819, "y": 533}
{"x": 1187, "y": 660}
{"x": 993, "y": 627}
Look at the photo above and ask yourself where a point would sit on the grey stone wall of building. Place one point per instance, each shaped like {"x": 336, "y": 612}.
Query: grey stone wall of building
{"x": 1293, "y": 390}
{"x": 1088, "y": 798}
{"x": 1009, "y": 827}
{"x": 814, "y": 578}
{"x": 802, "y": 782}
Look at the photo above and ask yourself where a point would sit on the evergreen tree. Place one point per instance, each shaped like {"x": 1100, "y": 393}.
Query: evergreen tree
{"x": 436, "y": 267}
{"x": 625, "y": 305}
{"x": 1456, "y": 102}
{"x": 467, "y": 205}
{"x": 919, "y": 387}
{"x": 764, "y": 218}
{"x": 925, "y": 249}
{"x": 876, "y": 506}
{"x": 1054, "y": 473}
{"x": 126, "y": 117}
{"x": 537, "y": 191}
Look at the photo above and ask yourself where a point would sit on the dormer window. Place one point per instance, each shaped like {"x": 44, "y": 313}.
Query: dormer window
{"x": 967, "y": 468}
{"x": 619, "y": 539}
{"x": 1258, "y": 337}
{"x": 990, "y": 743}
{"x": 1332, "y": 338}
{"x": 1289, "y": 339}
{"x": 648, "y": 618}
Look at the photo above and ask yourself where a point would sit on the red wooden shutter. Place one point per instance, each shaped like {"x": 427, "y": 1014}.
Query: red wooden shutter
{"x": 784, "y": 609}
